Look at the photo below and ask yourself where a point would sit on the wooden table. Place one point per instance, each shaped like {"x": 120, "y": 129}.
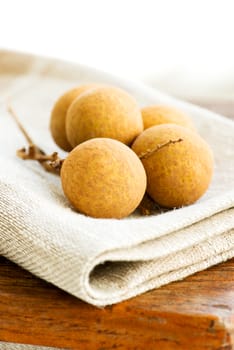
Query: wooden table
{"x": 194, "y": 314}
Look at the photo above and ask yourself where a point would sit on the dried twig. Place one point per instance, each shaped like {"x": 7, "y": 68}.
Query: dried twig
{"x": 51, "y": 163}
{"x": 149, "y": 152}
{"x": 20, "y": 126}
{"x": 148, "y": 206}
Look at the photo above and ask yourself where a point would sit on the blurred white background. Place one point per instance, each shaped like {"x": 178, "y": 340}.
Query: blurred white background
{"x": 184, "y": 47}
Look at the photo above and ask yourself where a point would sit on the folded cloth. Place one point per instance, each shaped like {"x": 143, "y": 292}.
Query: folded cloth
{"x": 102, "y": 261}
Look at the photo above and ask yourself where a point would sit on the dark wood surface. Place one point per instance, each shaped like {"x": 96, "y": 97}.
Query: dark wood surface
{"x": 194, "y": 314}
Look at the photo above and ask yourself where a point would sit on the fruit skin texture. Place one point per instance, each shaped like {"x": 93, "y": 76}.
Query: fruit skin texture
{"x": 103, "y": 178}
{"x": 58, "y": 115}
{"x": 104, "y": 112}
{"x": 178, "y": 164}
{"x": 159, "y": 114}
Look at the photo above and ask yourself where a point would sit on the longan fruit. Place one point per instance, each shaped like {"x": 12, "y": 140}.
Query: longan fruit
{"x": 160, "y": 114}
{"x": 58, "y": 115}
{"x": 103, "y": 178}
{"x": 104, "y": 112}
{"x": 178, "y": 164}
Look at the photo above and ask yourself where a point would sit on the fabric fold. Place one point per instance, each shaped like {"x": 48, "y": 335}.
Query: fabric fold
{"x": 102, "y": 261}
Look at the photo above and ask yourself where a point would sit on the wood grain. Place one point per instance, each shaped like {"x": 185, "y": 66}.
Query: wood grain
{"x": 197, "y": 313}
{"x": 194, "y": 314}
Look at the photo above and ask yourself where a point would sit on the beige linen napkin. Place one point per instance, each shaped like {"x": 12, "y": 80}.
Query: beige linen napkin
{"x": 101, "y": 261}
{"x": 14, "y": 346}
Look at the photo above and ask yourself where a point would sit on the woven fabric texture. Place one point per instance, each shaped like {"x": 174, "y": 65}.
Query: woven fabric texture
{"x": 15, "y": 346}
{"x": 102, "y": 261}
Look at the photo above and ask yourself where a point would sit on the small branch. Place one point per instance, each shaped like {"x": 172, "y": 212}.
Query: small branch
{"x": 148, "y": 206}
{"x": 149, "y": 152}
{"x": 20, "y": 126}
{"x": 51, "y": 163}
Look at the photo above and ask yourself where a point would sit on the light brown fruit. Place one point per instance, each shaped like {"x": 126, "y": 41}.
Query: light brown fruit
{"x": 104, "y": 112}
{"x": 103, "y": 178}
{"x": 58, "y": 115}
{"x": 159, "y": 114}
{"x": 178, "y": 164}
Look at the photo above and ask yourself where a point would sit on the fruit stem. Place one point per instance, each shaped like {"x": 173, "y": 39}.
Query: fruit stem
{"x": 51, "y": 163}
{"x": 149, "y": 152}
{"x": 20, "y": 126}
{"x": 149, "y": 207}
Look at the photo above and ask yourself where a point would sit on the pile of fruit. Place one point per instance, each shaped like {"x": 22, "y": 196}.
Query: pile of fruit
{"x": 118, "y": 152}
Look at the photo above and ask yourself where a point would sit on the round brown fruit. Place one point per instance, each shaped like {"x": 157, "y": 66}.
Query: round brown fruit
{"x": 58, "y": 115}
{"x": 103, "y": 178}
{"x": 178, "y": 164}
{"x": 104, "y": 112}
{"x": 159, "y": 114}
